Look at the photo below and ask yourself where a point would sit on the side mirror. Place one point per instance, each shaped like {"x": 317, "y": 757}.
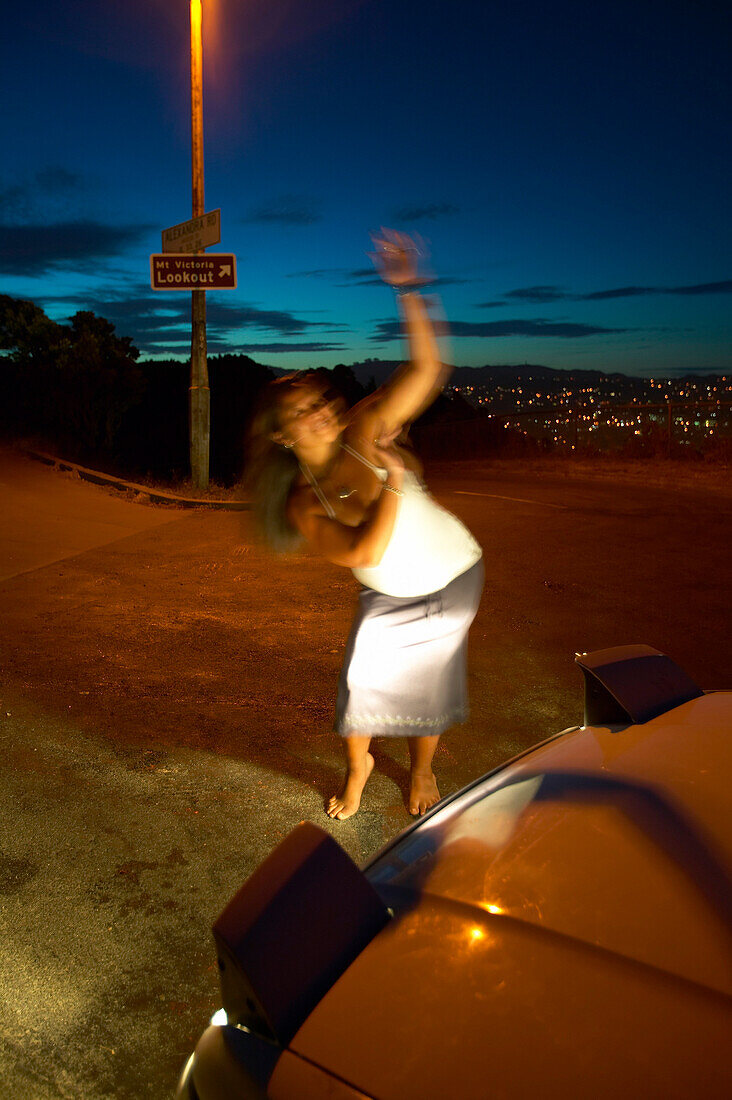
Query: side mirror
{"x": 631, "y": 684}
{"x": 283, "y": 941}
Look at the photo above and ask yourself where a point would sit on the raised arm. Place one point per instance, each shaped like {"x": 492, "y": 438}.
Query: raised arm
{"x": 416, "y": 384}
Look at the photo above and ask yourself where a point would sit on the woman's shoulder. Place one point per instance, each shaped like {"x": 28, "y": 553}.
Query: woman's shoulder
{"x": 363, "y": 424}
{"x": 365, "y": 412}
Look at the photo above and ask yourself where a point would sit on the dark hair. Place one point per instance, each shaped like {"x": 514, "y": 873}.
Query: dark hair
{"x": 272, "y": 468}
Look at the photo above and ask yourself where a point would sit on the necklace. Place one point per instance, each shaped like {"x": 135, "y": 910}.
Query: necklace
{"x": 315, "y": 486}
{"x": 342, "y": 492}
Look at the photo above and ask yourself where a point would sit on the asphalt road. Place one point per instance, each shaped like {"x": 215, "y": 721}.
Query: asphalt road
{"x": 164, "y": 722}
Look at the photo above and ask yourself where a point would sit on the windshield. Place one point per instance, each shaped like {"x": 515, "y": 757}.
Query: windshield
{"x": 593, "y": 857}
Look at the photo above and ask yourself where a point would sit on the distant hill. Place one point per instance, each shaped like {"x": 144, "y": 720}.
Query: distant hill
{"x": 502, "y": 373}
{"x": 493, "y": 374}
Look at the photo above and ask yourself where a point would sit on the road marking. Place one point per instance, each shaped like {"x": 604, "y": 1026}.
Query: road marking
{"x": 516, "y": 500}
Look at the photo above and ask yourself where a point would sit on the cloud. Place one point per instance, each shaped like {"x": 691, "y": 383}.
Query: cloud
{"x": 55, "y": 178}
{"x": 340, "y": 276}
{"x": 271, "y": 348}
{"x": 182, "y": 347}
{"x": 366, "y": 276}
{"x": 619, "y": 292}
{"x": 390, "y": 330}
{"x": 425, "y": 212}
{"x": 36, "y": 249}
{"x": 319, "y": 273}
{"x": 142, "y": 316}
{"x": 15, "y": 202}
{"x": 50, "y": 187}
{"x": 286, "y": 210}
{"x": 162, "y": 311}
{"x": 245, "y": 316}
{"x": 157, "y": 320}
{"x": 450, "y": 280}
{"x": 282, "y": 322}
{"x": 725, "y": 287}
{"x": 537, "y": 294}
{"x": 426, "y": 288}
{"x": 373, "y": 280}
{"x": 563, "y": 329}
{"x": 543, "y": 294}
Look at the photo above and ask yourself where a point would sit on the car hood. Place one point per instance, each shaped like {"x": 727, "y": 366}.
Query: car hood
{"x": 617, "y": 839}
{"x": 447, "y": 1001}
{"x": 686, "y": 752}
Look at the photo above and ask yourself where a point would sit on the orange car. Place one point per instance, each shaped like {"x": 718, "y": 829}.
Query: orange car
{"x": 560, "y": 927}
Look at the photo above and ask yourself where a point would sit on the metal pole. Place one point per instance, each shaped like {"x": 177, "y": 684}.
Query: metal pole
{"x": 199, "y": 394}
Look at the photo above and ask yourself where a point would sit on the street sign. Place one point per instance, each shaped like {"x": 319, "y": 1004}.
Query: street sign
{"x": 179, "y": 271}
{"x": 193, "y": 235}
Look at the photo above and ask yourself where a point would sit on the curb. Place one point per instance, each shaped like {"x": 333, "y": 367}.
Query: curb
{"x": 143, "y": 491}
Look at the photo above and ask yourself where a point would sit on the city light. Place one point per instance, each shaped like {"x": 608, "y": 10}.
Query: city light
{"x": 610, "y": 412}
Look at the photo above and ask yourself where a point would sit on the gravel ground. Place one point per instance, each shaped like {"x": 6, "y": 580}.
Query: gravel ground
{"x": 165, "y": 715}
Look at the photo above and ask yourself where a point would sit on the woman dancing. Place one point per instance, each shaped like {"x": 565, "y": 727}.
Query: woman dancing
{"x": 344, "y": 485}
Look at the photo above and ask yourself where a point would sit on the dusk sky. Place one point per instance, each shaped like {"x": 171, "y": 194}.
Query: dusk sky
{"x": 570, "y": 165}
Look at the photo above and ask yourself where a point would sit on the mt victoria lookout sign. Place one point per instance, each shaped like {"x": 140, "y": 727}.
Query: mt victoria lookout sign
{"x": 181, "y": 271}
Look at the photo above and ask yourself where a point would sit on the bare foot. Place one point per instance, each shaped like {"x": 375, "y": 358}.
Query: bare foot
{"x": 423, "y": 792}
{"x": 345, "y": 804}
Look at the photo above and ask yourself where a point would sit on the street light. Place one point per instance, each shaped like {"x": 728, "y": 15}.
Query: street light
{"x": 199, "y": 393}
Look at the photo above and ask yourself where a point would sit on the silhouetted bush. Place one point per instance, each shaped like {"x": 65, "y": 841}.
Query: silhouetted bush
{"x": 72, "y": 383}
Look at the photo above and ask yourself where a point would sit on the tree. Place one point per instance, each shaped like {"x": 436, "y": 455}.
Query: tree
{"x": 26, "y": 333}
{"x": 32, "y": 345}
{"x": 100, "y": 380}
{"x": 72, "y": 382}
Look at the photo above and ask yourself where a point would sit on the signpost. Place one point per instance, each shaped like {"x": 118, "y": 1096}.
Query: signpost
{"x": 180, "y": 271}
{"x": 199, "y": 394}
{"x": 183, "y": 265}
{"x": 193, "y": 235}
